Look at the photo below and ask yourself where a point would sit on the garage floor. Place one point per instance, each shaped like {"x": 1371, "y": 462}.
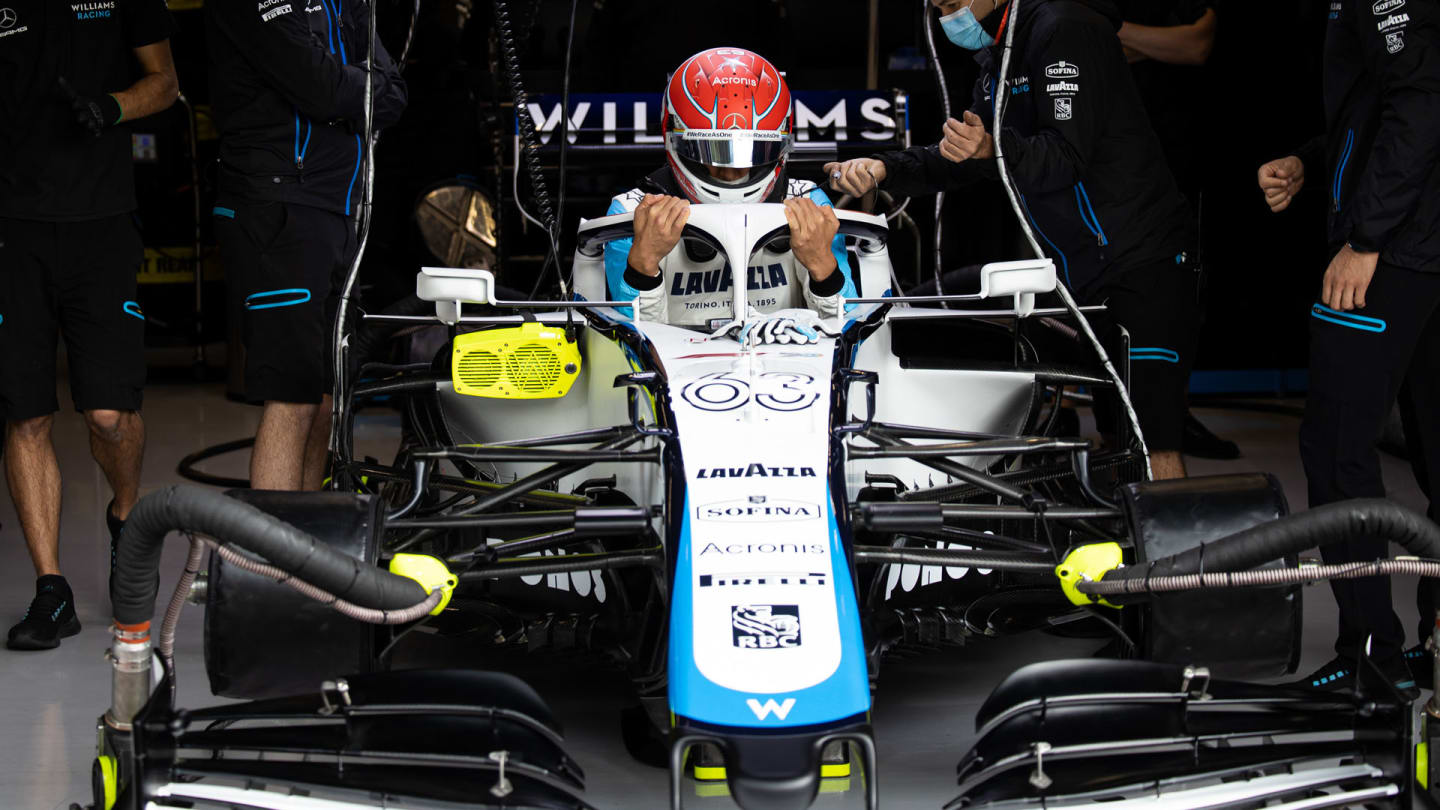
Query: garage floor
{"x": 924, "y": 709}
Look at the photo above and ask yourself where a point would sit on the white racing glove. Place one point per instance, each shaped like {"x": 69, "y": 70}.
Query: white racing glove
{"x": 797, "y": 326}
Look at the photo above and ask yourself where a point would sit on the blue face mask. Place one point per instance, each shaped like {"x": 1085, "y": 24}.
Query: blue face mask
{"x": 964, "y": 30}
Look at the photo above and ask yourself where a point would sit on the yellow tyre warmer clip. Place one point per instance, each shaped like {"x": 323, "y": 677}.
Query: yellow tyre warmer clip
{"x": 430, "y": 572}
{"x": 529, "y": 361}
{"x": 1088, "y": 563}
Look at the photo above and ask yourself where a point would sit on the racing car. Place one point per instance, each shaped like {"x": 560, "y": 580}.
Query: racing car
{"x": 748, "y": 531}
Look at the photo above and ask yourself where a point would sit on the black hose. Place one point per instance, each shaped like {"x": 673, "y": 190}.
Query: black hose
{"x": 203, "y": 511}
{"x": 1363, "y": 517}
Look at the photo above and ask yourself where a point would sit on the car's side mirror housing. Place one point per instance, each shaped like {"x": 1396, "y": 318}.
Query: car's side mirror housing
{"x": 1022, "y": 279}
{"x": 449, "y": 287}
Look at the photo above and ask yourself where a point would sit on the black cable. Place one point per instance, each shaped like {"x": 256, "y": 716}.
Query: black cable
{"x": 564, "y": 134}
{"x": 1120, "y": 634}
{"x": 186, "y": 468}
{"x": 529, "y": 147}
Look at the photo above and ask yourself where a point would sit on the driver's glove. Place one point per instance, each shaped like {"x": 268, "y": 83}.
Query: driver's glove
{"x": 797, "y": 326}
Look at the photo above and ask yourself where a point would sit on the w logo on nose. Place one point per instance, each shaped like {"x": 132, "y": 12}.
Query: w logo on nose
{"x": 763, "y": 711}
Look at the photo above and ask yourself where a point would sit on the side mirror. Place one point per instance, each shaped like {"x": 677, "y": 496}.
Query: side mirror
{"x": 1022, "y": 279}
{"x": 449, "y": 287}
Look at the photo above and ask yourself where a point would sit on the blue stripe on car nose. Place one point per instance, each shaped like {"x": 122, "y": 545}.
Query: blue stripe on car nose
{"x": 270, "y": 299}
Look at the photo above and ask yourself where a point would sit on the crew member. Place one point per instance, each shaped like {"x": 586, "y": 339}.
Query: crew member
{"x": 288, "y": 81}
{"x": 1375, "y": 332}
{"x": 75, "y": 74}
{"x": 1168, "y": 43}
{"x": 1091, "y": 178}
{"x": 727, "y": 136}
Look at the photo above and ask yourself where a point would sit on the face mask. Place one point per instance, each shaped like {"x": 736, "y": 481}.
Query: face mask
{"x": 964, "y": 30}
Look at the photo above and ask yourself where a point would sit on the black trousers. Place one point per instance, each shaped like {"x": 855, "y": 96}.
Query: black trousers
{"x": 1360, "y": 362}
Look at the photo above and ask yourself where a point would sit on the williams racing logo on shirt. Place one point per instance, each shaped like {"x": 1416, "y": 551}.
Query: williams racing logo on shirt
{"x": 93, "y": 11}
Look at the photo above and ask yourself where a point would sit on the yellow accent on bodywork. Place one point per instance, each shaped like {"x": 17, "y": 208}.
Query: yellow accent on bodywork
{"x": 529, "y": 361}
{"x": 110, "y": 779}
{"x": 716, "y": 773}
{"x": 1088, "y": 563}
{"x": 710, "y": 773}
{"x": 1422, "y": 765}
{"x": 430, "y": 572}
{"x": 834, "y": 770}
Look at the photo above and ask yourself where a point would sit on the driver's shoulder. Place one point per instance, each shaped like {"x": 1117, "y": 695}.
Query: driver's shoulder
{"x": 805, "y": 188}
{"x": 625, "y": 202}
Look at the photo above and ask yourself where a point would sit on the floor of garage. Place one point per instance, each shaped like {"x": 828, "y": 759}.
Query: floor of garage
{"x": 923, "y": 711}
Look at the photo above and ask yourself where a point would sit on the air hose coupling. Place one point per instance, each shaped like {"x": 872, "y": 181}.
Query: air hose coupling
{"x": 1089, "y": 563}
{"x": 430, "y": 572}
{"x": 130, "y": 673}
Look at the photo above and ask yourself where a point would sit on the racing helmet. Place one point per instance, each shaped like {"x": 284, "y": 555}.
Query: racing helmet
{"x": 727, "y": 108}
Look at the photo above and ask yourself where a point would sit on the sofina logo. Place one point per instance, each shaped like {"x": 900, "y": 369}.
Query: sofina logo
{"x": 757, "y": 509}
{"x": 1386, "y": 6}
{"x": 1066, "y": 70}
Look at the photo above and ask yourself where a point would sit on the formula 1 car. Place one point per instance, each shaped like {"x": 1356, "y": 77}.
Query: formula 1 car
{"x": 749, "y": 531}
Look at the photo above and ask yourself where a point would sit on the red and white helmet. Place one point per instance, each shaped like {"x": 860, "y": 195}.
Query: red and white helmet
{"x": 729, "y": 108}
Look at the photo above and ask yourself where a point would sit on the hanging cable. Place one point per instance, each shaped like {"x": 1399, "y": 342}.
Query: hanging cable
{"x": 1065, "y": 297}
{"x": 945, "y": 109}
{"x": 339, "y": 408}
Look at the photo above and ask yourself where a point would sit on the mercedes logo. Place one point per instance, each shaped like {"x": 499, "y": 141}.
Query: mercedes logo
{"x": 7, "y": 17}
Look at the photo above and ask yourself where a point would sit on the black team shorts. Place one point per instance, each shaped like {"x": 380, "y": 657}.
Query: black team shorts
{"x": 1159, "y": 305}
{"x": 284, "y": 264}
{"x": 76, "y": 280}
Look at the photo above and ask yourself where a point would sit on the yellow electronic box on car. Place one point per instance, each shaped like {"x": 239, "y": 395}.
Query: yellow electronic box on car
{"x": 529, "y": 361}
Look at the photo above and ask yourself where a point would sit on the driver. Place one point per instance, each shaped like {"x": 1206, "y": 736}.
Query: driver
{"x": 727, "y": 134}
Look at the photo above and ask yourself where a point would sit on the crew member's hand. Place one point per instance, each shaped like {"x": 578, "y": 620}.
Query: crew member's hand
{"x": 1347, "y": 279}
{"x": 94, "y": 113}
{"x": 1281, "y": 180}
{"x": 812, "y": 229}
{"x": 659, "y": 221}
{"x": 856, "y": 177}
{"x": 966, "y": 139}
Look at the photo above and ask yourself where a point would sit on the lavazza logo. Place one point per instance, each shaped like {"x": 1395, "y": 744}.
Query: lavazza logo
{"x": 1386, "y": 6}
{"x": 1065, "y": 70}
{"x": 1392, "y": 21}
{"x": 756, "y": 471}
{"x": 765, "y": 627}
{"x": 757, "y": 509}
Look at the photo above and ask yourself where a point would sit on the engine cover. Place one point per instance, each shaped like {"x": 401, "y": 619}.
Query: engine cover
{"x": 262, "y": 638}
{"x": 1236, "y": 632}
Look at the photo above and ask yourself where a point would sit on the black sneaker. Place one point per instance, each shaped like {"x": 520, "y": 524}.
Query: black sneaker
{"x": 1339, "y": 675}
{"x": 1422, "y": 666}
{"x": 51, "y": 617}
{"x": 1198, "y": 441}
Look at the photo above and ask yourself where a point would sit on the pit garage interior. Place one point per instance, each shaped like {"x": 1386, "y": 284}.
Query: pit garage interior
{"x": 452, "y": 189}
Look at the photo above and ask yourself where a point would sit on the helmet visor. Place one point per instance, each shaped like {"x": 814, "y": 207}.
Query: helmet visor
{"x": 730, "y": 148}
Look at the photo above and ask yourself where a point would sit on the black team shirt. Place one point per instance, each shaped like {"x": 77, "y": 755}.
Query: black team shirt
{"x": 52, "y": 168}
